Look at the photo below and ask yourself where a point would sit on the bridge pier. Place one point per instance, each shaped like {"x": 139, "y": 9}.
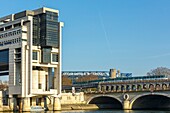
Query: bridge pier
{"x": 126, "y": 105}
{"x": 26, "y": 104}
{"x": 57, "y": 104}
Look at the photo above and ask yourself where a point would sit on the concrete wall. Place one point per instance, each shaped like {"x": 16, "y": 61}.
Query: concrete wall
{"x": 38, "y": 78}
{"x": 69, "y": 98}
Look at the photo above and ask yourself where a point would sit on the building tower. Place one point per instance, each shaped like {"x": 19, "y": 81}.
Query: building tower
{"x": 30, "y": 56}
{"x": 112, "y": 73}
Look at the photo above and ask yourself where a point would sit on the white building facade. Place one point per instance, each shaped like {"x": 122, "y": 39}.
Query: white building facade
{"x": 30, "y": 56}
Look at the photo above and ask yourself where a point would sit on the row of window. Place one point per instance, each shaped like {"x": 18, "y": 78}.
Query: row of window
{"x": 10, "y": 26}
{"x": 54, "y": 56}
{"x": 12, "y": 41}
{"x": 18, "y": 56}
{"x": 51, "y": 16}
{"x": 10, "y": 33}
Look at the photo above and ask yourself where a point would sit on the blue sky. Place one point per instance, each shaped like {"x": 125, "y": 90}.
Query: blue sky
{"x": 129, "y": 35}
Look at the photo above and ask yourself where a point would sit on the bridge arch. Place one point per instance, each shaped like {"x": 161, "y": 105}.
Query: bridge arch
{"x": 139, "y": 86}
{"x": 151, "y": 101}
{"x": 106, "y": 102}
{"x": 158, "y": 86}
{"x": 164, "y": 86}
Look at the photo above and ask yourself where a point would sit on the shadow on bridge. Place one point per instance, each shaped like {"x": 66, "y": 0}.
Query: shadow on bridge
{"x": 105, "y": 102}
{"x": 151, "y": 102}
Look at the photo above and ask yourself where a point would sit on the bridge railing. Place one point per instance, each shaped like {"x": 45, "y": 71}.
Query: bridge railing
{"x": 124, "y": 91}
{"x": 131, "y": 86}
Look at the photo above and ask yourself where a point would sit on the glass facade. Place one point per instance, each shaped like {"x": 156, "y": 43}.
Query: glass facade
{"x": 46, "y": 30}
{"x": 4, "y": 61}
{"x": 36, "y": 32}
{"x": 52, "y": 30}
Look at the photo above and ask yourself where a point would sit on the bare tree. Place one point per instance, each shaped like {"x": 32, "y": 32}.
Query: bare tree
{"x": 159, "y": 71}
{"x": 66, "y": 81}
{"x": 87, "y": 78}
{"x": 3, "y": 87}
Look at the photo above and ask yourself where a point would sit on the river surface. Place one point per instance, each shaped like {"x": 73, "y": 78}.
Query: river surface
{"x": 107, "y": 111}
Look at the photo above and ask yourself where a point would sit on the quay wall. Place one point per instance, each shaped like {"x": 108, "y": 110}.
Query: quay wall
{"x": 75, "y": 101}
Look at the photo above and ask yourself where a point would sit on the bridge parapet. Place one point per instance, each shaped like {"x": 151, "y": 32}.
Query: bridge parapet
{"x": 130, "y": 86}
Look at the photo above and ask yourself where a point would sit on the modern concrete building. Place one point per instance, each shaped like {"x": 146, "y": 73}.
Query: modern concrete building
{"x": 30, "y": 55}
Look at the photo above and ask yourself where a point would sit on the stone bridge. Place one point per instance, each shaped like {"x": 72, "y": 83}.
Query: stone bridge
{"x": 148, "y": 94}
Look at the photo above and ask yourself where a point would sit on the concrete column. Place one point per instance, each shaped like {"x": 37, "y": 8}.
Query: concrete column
{"x": 1, "y": 101}
{"x": 55, "y": 78}
{"x": 45, "y": 103}
{"x": 61, "y": 25}
{"x": 57, "y": 104}
{"x": 126, "y": 105}
{"x": 26, "y": 104}
{"x": 42, "y": 102}
{"x": 11, "y": 103}
{"x": 81, "y": 96}
{"x": 15, "y": 104}
{"x": 1, "y": 104}
{"x": 99, "y": 87}
{"x": 33, "y": 101}
{"x": 20, "y": 106}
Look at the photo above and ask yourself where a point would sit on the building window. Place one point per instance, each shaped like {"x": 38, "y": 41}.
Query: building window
{"x": 39, "y": 86}
{"x": 46, "y": 55}
{"x": 35, "y": 55}
{"x": 54, "y": 57}
{"x": 4, "y": 62}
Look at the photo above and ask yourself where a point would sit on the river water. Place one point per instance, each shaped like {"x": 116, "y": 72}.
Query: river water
{"x": 109, "y": 111}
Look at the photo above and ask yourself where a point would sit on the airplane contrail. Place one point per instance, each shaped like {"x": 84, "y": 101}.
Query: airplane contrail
{"x": 105, "y": 33}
